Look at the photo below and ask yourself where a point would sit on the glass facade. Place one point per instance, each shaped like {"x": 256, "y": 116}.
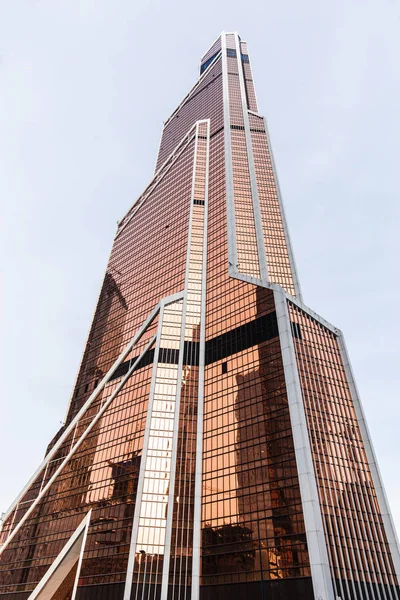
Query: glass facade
{"x": 182, "y": 436}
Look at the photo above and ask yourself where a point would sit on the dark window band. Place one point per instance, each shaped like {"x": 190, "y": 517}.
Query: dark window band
{"x": 241, "y": 128}
{"x": 241, "y": 338}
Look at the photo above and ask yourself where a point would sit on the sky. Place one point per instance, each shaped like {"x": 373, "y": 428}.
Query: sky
{"x": 84, "y": 89}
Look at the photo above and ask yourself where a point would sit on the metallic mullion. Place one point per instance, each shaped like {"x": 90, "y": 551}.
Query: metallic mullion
{"x": 296, "y": 281}
{"x": 370, "y": 454}
{"x": 335, "y": 521}
{"x": 230, "y": 198}
{"x": 158, "y": 177}
{"x": 192, "y": 464}
{"x": 200, "y": 404}
{"x": 138, "y": 576}
{"x": 321, "y": 354}
{"x": 344, "y": 523}
{"x": 156, "y": 578}
{"x": 352, "y": 498}
{"x": 380, "y": 560}
{"x": 151, "y": 571}
{"x": 356, "y": 555}
{"x": 139, "y": 492}
{"x": 328, "y": 524}
{"x": 262, "y": 260}
{"x": 252, "y": 80}
{"x": 189, "y": 491}
{"x": 318, "y": 554}
{"x": 187, "y": 488}
{"x": 193, "y": 420}
{"x": 373, "y": 564}
{"x": 170, "y": 510}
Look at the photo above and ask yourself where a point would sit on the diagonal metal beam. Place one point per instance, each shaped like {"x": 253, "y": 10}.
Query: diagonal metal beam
{"x": 92, "y": 397}
{"x": 75, "y": 447}
{"x": 84, "y": 408}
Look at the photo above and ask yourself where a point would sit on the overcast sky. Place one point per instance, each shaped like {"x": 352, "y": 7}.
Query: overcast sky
{"x": 84, "y": 88}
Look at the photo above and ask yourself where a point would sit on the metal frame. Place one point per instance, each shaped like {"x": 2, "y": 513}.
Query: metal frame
{"x": 316, "y": 541}
{"x": 77, "y": 418}
{"x": 292, "y": 261}
{"x": 371, "y": 458}
{"x": 230, "y": 200}
{"x": 293, "y": 299}
{"x": 230, "y": 203}
{"x": 139, "y": 492}
{"x": 81, "y": 530}
{"x": 209, "y": 48}
{"x": 193, "y": 89}
{"x": 167, "y": 553}
{"x": 75, "y": 447}
{"x": 262, "y": 259}
{"x": 157, "y": 178}
{"x": 170, "y": 505}
{"x": 200, "y": 405}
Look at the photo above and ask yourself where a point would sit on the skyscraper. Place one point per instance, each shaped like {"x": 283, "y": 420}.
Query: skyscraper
{"x": 214, "y": 446}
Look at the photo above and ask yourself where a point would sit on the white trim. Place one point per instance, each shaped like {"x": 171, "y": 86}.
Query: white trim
{"x": 293, "y": 299}
{"x": 255, "y": 114}
{"x": 171, "y": 493}
{"x": 230, "y": 200}
{"x": 85, "y": 347}
{"x": 139, "y": 493}
{"x": 78, "y": 416}
{"x": 195, "y": 86}
{"x": 82, "y": 411}
{"x": 292, "y": 261}
{"x": 81, "y": 531}
{"x": 158, "y": 150}
{"x": 142, "y": 471}
{"x": 157, "y": 178}
{"x": 316, "y": 542}
{"x": 75, "y": 447}
{"x": 209, "y": 47}
{"x": 252, "y": 78}
{"x": 334, "y": 524}
{"x": 371, "y": 458}
{"x": 78, "y": 570}
{"x": 262, "y": 259}
{"x": 200, "y": 404}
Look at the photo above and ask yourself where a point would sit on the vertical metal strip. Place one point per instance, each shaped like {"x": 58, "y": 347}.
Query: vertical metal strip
{"x": 343, "y": 524}
{"x": 319, "y": 563}
{"x": 262, "y": 259}
{"x": 135, "y": 525}
{"x": 200, "y": 406}
{"x": 372, "y": 462}
{"x": 230, "y": 200}
{"x": 296, "y": 281}
{"x": 77, "y": 418}
{"x": 335, "y": 522}
{"x": 171, "y": 494}
{"x": 78, "y": 569}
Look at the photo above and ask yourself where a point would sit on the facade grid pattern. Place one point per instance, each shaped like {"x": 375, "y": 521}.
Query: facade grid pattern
{"x": 211, "y": 448}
